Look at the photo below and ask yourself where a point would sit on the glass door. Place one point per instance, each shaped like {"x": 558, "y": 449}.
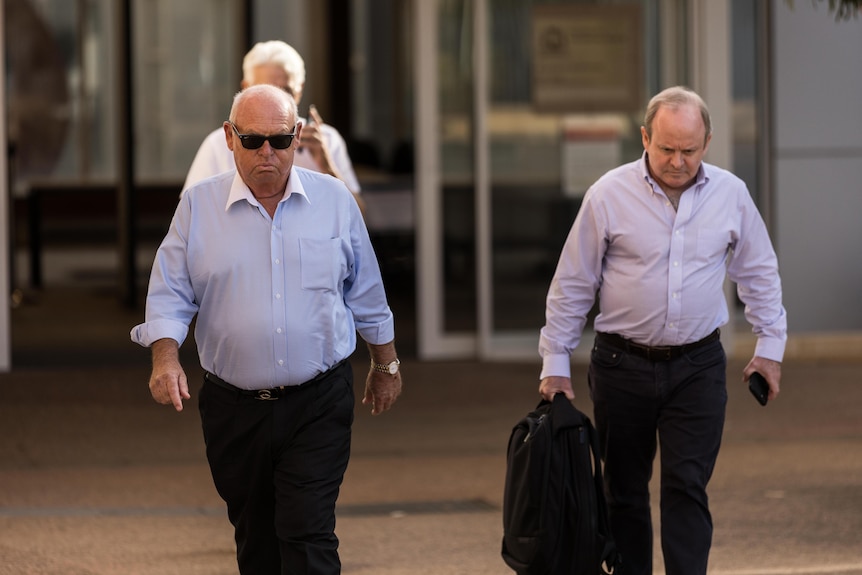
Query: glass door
{"x": 560, "y": 93}
{"x": 520, "y": 107}
{"x": 445, "y": 179}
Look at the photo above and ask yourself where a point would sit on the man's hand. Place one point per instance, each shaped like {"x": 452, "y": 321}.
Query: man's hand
{"x": 314, "y": 142}
{"x": 381, "y": 390}
{"x": 554, "y": 384}
{"x": 168, "y": 382}
{"x": 769, "y": 369}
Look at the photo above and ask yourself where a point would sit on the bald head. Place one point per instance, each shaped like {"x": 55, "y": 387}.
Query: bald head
{"x": 262, "y": 100}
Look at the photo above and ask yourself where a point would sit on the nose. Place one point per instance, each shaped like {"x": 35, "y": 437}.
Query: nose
{"x": 265, "y": 149}
{"x": 676, "y": 160}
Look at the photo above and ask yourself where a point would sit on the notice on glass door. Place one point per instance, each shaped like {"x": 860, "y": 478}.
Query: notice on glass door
{"x": 588, "y": 151}
{"x": 587, "y": 57}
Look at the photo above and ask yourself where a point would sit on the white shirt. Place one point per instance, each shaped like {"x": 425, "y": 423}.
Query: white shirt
{"x": 278, "y": 300}
{"x": 659, "y": 273}
{"x": 214, "y": 157}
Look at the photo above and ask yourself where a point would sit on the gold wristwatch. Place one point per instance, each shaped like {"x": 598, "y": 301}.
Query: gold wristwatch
{"x": 391, "y": 368}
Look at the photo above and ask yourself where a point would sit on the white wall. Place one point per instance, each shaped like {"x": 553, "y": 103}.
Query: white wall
{"x": 817, "y": 153}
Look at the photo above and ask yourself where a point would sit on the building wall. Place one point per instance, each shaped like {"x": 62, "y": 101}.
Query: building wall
{"x": 817, "y": 154}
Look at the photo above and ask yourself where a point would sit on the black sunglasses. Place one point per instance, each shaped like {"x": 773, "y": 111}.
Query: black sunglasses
{"x": 254, "y": 141}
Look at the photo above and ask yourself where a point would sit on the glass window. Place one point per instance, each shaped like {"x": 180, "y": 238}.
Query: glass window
{"x": 61, "y": 71}
{"x": 456, "y": 158}
{"x": 744, "y": 69}
{"x": 551, "y": 136}
{"x": 60, "y": 90}
{"x": 186, "y": 71}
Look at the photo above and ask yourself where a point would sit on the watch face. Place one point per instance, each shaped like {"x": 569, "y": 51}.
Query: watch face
{"x": 393, "y": 368}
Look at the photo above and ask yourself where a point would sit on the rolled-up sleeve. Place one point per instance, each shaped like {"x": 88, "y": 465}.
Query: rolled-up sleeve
{"x": 147, "y": 333}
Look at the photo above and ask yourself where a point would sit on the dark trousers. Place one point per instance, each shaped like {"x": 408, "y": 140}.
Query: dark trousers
{"x": 682, "y": 401}
{"x": 279, "y": 465}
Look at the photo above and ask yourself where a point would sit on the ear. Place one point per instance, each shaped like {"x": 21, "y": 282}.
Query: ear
{"x": 228, "y": 134}
{"x": 297, "y": 138}
{"x": 706, "y": 144}
{"x": 644, "y": 138}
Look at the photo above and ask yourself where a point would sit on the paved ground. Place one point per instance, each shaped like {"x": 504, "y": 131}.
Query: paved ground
{"x": 96, "y": 479}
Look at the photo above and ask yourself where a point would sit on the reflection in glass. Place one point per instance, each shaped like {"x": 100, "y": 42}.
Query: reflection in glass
{"x": 456, "y": 101}
{"x": 541, "y": 165}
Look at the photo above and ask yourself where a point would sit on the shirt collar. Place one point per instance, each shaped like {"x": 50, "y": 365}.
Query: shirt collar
{"x": 644, "y": 166}
{"x": 240, "y": 191}
{"x": 702, "y": 175}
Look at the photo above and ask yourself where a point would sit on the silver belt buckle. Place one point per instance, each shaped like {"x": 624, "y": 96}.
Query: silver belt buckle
{"x": 265, "y": 395}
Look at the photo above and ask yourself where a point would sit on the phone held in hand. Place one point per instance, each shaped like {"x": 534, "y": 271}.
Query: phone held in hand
{"x": 759, "y": 388}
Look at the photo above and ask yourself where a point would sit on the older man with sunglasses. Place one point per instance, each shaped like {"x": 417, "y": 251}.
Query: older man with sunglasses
{"x": 276, "y": 263}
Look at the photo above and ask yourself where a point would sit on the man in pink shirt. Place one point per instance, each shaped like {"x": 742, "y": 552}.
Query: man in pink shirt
{"x": 655, "y": 239}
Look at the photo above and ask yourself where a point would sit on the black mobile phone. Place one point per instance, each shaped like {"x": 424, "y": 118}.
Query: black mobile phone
{"x": 759, "y": 388}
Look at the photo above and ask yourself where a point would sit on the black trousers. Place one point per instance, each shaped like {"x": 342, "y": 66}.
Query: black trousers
{"x": 279, "y": 465}
{"x": 681, "y": 402}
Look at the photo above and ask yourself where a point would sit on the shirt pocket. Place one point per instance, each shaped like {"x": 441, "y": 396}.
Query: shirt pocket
{"x": 319, "y": 263}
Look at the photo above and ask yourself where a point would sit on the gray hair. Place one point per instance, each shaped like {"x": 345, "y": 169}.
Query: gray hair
{"x": 279, "y": 53}
{"x": 676, "y": 97}
{"x": 277, "y": 93}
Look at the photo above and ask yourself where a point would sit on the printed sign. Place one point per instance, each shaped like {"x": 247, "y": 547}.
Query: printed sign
{"x": 587, "y": 58}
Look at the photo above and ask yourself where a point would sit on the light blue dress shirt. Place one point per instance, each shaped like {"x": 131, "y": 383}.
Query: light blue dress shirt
{"x": 659, "y": 272}
{"x": 278, "y": 300}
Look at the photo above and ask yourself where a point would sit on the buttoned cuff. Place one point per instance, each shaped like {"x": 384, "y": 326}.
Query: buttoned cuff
{"x": 770, "y": 348}
{"x": 558, "y": 364}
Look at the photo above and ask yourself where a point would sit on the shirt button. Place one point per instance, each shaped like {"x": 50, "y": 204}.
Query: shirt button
{"x": 277, "y": 261}
{"x": 278, "y": 330}
{"x": 281, "y": 362}
{"x": 676, "y": 264}
{"x": 278, "y": 296}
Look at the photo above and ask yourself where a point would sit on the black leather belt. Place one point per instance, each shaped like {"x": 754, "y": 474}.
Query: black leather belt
{"x": 272, "y": 393}
{"x": 654, "y": 353}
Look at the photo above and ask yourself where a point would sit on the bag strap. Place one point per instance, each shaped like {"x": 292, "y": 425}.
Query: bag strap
{"x": 610, "y": 556}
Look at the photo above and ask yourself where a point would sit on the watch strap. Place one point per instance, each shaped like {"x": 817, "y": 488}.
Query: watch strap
{"x": 386, "y": 367}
